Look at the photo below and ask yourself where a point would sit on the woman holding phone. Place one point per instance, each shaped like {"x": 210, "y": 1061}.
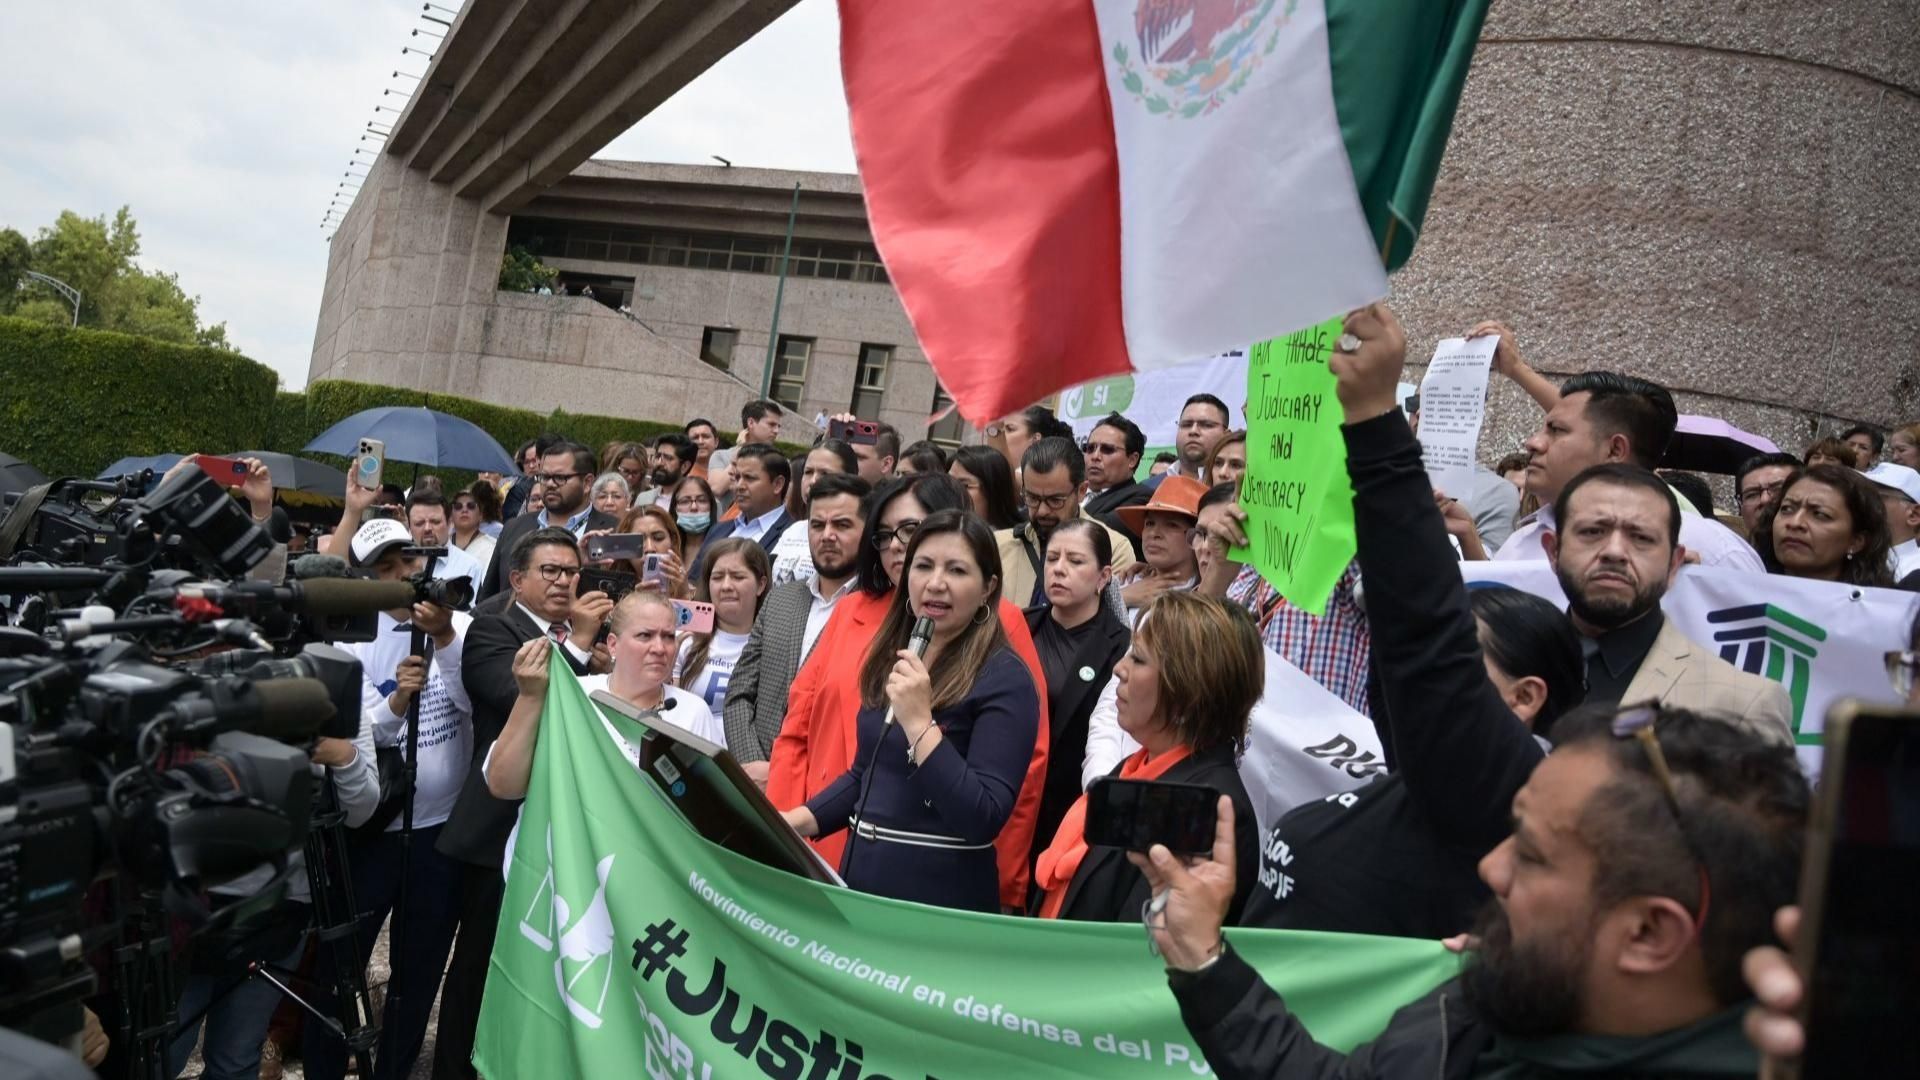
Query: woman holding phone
{"x": 734, "y": 579}
{"x": 944, "y": 740}
{"x": 1187, "y": 687}
{"x": 659, "y": 541}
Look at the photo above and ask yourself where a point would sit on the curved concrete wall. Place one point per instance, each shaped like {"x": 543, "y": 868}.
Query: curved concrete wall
{"x": 1722, "y": 196}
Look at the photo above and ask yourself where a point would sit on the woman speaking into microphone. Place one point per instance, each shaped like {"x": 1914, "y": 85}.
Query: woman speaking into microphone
{"x": 945, "y": 739}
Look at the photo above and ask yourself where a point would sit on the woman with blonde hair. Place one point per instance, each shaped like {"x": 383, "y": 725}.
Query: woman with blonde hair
{"x": 1228, "y": 462}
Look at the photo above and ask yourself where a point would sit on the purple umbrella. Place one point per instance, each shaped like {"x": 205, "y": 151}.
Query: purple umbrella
{"x": 1708, "y": 444}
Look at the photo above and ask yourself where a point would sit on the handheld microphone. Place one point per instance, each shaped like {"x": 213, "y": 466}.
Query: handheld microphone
{"x": 917, "y": 643}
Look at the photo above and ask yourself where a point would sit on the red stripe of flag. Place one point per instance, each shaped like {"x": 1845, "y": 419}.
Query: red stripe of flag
{"x": 985, "y": 142}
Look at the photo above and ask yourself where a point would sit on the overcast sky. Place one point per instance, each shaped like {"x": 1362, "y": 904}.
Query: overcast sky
{"x": 226, "y": 125}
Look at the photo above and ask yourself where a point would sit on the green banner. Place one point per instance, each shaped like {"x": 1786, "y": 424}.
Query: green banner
{"x": 1297, "y": 496}
{"x": 628, "y": 945}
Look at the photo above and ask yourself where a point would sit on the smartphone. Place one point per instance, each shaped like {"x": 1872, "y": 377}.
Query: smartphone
{"x": 864, "y": 432}
{"x": 1859, "y": 947}
{"x": 695, "y": 617}
{"x": 1137, "y": 814}
{"x": 229, "y": 471}
{"x": 369, "y": 463}
{"x": 615, "y": 583}
{"x": 650, "y": 568}
{"x": 615, "y": 546}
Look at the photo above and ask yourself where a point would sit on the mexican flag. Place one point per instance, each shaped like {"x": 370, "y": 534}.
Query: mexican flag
{"x": 1069, "y": 189}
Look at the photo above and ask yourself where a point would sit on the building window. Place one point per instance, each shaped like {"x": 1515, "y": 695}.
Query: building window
{"x": 738, "y": 254}
{"x": 716, "y": 346}
{"x": 790, "y": 370}
{"x": 870, "y": 380}
{"x": 949, "y": 429}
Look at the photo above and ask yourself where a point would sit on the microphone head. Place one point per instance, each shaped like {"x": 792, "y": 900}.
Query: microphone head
{"x": 922, "y": 635}
{"x": 354, "y": 596}
{"x": 318, "y": 566}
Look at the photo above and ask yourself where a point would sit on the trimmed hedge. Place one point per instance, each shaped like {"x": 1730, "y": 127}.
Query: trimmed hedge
{"x": 74, "y": 401}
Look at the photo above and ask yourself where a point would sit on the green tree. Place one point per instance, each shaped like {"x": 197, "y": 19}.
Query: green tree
{"x": 522, "y": 271}
{"x": 96, "y": 256}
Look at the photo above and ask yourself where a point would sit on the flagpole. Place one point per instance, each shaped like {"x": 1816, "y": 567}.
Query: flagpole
{"x": 779, "y": 294}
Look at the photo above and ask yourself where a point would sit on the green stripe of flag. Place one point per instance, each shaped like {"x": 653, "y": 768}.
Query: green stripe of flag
{"x": 1398, "y": 67}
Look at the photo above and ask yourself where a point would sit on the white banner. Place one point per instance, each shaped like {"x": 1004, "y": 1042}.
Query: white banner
{"x": 1822, "y": 641}
{"x": 1304, "y": 743}
{"x": 1153, "y": 399}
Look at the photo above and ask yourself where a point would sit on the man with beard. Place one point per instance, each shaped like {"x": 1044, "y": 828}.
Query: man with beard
{"x": 673, "y": 459}
{"x": 791, "y": 620}
{"x": 1615, "y": 555}
{"x": 1053, "y": 479}
{"x": 1649, "y": 852}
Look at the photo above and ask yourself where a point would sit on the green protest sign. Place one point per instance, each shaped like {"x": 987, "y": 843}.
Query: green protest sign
{"x": 629, "y": 945}
{"x": 1298, "y": 499}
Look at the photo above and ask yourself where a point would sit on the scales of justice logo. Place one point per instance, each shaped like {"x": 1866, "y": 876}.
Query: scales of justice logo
{"x": 1194, "y": 55}
{"x": 584, "y": 950}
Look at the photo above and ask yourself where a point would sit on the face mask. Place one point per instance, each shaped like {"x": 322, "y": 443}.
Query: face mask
{"x": 694, "y": 523}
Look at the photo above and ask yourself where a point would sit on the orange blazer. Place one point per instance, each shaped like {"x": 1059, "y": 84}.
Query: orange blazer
{"x": 818, "y": 738}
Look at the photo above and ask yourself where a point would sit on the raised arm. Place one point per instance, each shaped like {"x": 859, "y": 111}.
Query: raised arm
{"x": 1458, "y": 747}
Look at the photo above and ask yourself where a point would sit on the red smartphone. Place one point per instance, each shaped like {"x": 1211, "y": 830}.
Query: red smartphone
{"x": 863, "y": 432}
{"x": 229, "y": 471}
{"x": 695, "y": 617}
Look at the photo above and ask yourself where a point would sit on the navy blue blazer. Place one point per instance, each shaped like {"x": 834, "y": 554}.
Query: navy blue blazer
{"x": 727, "y": 528}
{"x": 964, "y": 791}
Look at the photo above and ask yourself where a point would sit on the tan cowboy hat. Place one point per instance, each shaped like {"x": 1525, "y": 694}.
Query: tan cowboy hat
{"x": 1175, "y": 495}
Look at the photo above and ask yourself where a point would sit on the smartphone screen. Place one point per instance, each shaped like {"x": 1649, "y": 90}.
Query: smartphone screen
{"x": 1137, "y": 814}
{"x": 1863, "y": 993}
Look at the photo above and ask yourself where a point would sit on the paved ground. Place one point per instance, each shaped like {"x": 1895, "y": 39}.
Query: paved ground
{"x": 376, "y": 978}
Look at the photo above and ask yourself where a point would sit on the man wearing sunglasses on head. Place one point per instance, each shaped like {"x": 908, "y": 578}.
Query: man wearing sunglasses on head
{"x": 566, "y": 485}
{"x": 542, "y": 574}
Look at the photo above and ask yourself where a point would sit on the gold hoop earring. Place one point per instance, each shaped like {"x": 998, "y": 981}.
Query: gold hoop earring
{"x": 981, "y": 615}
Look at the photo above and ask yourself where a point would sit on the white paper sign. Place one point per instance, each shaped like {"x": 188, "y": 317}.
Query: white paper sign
{"x": 1453, "y": 404}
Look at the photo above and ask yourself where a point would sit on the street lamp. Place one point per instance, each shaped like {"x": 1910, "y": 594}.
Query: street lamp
{"x": 72, "y": 294}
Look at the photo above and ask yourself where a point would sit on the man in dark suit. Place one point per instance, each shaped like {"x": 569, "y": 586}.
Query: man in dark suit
{"x": 1113, "y": 452}
{"x": 760, "y": 477}
{"x": 542, "y": 571}
{"x": 791, "y": 620}
{"x": 566, "y": 472}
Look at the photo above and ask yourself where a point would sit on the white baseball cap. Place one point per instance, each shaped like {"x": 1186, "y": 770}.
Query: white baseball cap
{"x": 375, "y": 537}
{"x": 1898, "y": 477}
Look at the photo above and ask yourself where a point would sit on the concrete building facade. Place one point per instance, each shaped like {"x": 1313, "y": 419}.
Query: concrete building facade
{"x": 683, "y": 262}
{"x": 1721, "y": 197}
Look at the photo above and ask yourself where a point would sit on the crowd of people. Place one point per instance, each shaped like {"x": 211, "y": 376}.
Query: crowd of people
{"x": 1603, "y": 813}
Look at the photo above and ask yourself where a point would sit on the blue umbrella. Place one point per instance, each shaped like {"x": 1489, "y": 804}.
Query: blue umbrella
{"x": 159, "y": 463}
{"x": 419, "y": 435}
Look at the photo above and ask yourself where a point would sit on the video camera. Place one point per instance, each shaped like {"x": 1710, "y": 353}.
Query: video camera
{"x": 155, "y": 708}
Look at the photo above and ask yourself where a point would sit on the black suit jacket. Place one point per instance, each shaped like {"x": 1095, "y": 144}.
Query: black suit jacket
{"x": 1108, "y": 888}
{"x": 1068, "y": 715}
{"x": 510, "y": 535}
{"x": 727, "y": 528}
{"x": 477, "y": 830}
{"x": 1104, "y": 505}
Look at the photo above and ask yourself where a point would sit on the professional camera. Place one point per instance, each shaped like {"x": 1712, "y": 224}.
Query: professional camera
{"x": 455, "y": 593}
{"x": 157, "y": 692}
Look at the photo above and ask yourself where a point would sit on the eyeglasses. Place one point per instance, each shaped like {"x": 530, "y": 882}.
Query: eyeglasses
{"x": 465, "y": 504}
{"x": 1091, "y": 447}
{"x": 693, "y": 502}
{"x": 1639, "y": 724}
{"x": 557, "y": 477}
{"x": 1755, "y": 494}
{"x": 1055, "y": 503}
{"x": 1202, "y": 425}
{"x": 1903, "y": 669}
{"x": 557, "y": 572}
{"x": 904, "y": 531}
